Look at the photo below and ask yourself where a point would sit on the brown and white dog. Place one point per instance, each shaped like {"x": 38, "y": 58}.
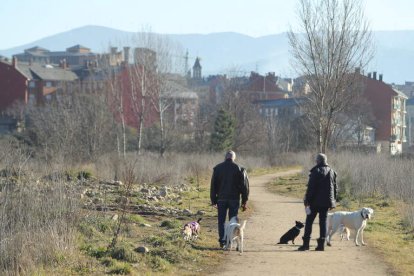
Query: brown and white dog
{"x": 234, "y": 232}
{"x": 191, "y": 230}
{"x": 350, "y": 220}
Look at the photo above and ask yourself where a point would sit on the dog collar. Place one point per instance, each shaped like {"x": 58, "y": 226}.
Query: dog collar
{"x": 297, "y": 227}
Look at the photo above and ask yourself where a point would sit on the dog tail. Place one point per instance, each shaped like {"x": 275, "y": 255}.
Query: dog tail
{"x": 243, "y": 225}
{"x": 198, "y": 221}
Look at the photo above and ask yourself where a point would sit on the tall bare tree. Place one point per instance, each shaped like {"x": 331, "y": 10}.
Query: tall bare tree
{"x": 332, "y": 40}
{"x": 155, "y": 57}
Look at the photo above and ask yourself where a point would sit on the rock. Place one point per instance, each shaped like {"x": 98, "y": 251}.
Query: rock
{"x": 122, "y": 200}
{"x": 145, "y": 191}
{"x": 187, "y": 212}
{"x": 142, "y": 249}
{"x": 115, "y": 217}
{"x": 97, "y": 200}
{"x": 145, "y": 225}
{"x": 201, "y": 212}
{"x": 153, "y": 198}
{"x": 163, "y": 192}
{"x": 118, "y": 183}
{"x": 89, "y": 193}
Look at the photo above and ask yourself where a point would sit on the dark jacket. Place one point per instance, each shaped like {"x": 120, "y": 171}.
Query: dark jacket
{"x": 229, "y": 181}
{"x": 322, "y": 188}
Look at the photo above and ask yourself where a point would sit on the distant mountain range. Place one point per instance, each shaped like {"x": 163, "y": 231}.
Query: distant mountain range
{"x": 221, "y": 52}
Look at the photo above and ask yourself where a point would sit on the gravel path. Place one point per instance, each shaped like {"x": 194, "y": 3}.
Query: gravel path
{"x": 273, "y": 215}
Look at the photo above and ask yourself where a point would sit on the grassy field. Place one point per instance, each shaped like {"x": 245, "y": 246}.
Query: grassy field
{"x": 387, "y": 233}
{"x": 160, "y": 233}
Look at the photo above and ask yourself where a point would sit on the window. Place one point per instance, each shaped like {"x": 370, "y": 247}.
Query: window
{"x": 48, "y": 84}
{"x": 32, "y": 84}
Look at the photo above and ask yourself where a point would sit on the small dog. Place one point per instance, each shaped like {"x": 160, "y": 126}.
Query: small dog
{"x": 344, "y": 232}
{"x": 234, "y": 232}
{"x": 191, "y": 230}
{"x": 291, "y": 234}
{"x": 350, "y": 220}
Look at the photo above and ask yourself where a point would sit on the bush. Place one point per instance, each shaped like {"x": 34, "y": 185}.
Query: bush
{"x": 123, "y": 254}
{"x": 159, "y": 264}
{"x": 84, "y": 175}
{"x": 171, "y": 224}
{"x": 97, "y": 252}
{"x": 120, "y": 268}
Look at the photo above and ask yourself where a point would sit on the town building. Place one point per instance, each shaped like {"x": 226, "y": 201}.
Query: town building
{"x": 407, "y": 88}
{"x": 75, "y": 55}
{"x": 255, "y": 87}
{"x": 33, "y": 84}
{"x": 410, "y": 123}
{"x": 197, "y": 70}
{"x": 388, "y": 106}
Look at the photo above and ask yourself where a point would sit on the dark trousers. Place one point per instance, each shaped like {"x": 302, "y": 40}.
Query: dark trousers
{"x": 323, "y": 212}
{"x": 232, "y": 206}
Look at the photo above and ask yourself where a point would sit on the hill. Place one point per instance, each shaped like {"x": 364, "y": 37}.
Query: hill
{"x": 222, "y": 52}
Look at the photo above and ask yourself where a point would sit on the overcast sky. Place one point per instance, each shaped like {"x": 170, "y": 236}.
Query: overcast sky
{"x": 23, "y": 21}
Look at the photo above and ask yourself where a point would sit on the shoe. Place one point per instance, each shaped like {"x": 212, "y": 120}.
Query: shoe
{"x": 305, "y": 245}
{"x": 222, "y": 245}
{"x": 321, "y": 244}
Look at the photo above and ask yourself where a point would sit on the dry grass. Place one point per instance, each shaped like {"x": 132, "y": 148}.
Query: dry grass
{"x": 388, "y": 233}
{"x": 45, "y": 230}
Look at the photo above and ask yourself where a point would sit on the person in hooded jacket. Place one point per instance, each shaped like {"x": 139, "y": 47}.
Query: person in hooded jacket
{"x": 319, "y": 198}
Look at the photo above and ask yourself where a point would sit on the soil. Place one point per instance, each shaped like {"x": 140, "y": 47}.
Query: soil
{"x": 272, "y": 216}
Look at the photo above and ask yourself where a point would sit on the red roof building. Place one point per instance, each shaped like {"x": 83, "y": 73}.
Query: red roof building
{"x": 389, "y": 109}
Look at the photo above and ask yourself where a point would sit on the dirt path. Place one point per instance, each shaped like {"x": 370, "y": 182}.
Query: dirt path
{"x": 273, "y": 216}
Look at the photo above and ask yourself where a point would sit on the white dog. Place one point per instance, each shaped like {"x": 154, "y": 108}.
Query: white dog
{"x": 352, "y": 220}
{"x": 234, "y": 232}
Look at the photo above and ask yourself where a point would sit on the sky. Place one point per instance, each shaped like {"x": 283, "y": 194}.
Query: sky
{"x": 24, "y": 21}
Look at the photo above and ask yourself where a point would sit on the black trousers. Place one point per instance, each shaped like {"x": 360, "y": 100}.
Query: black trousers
{"x": 323, "y": 212}
{"x": 232, "y": 206}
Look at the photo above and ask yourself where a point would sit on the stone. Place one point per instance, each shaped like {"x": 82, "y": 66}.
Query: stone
{"x": 145, "y": 225}
{"x": 97, "y": 200}
{"x": 142, "y": 249}
{"x": 118, "y": 183}
{"x": 115, "y": 217}
{"x": 163, "y": 192}
{"x": 187, "y": 212}
{"x": 122, "y": 200}
{"x": 201, "y": 212}
{"x": 153, "y": 198}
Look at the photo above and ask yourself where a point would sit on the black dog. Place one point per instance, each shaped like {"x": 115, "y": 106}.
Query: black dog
{"x": 291, "y": 234}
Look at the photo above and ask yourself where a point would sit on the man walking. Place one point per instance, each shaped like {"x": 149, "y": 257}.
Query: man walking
{"x": 228, "y": 183}
{"x": 320, "y": 197}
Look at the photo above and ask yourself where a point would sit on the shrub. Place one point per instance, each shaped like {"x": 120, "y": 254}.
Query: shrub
{"x": 171, "y": 224}
{"x": 120, "y": 268}
{"x": 84, "y": 175}
{"x": 97, "y": 252}
{"x": 123, "y": 254}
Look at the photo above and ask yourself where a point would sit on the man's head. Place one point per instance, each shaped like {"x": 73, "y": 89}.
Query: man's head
{"x": 230, "y": 155}
{"x": 321, "y": 159}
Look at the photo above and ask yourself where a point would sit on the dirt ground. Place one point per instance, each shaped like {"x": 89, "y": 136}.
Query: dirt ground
{"x": 273, "y": 215}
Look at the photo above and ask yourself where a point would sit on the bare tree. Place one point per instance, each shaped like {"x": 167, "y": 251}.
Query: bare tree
{"x": 154, "y": 59}
{"x": 235, "y": 99}
{"x": 332, "y": 40}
